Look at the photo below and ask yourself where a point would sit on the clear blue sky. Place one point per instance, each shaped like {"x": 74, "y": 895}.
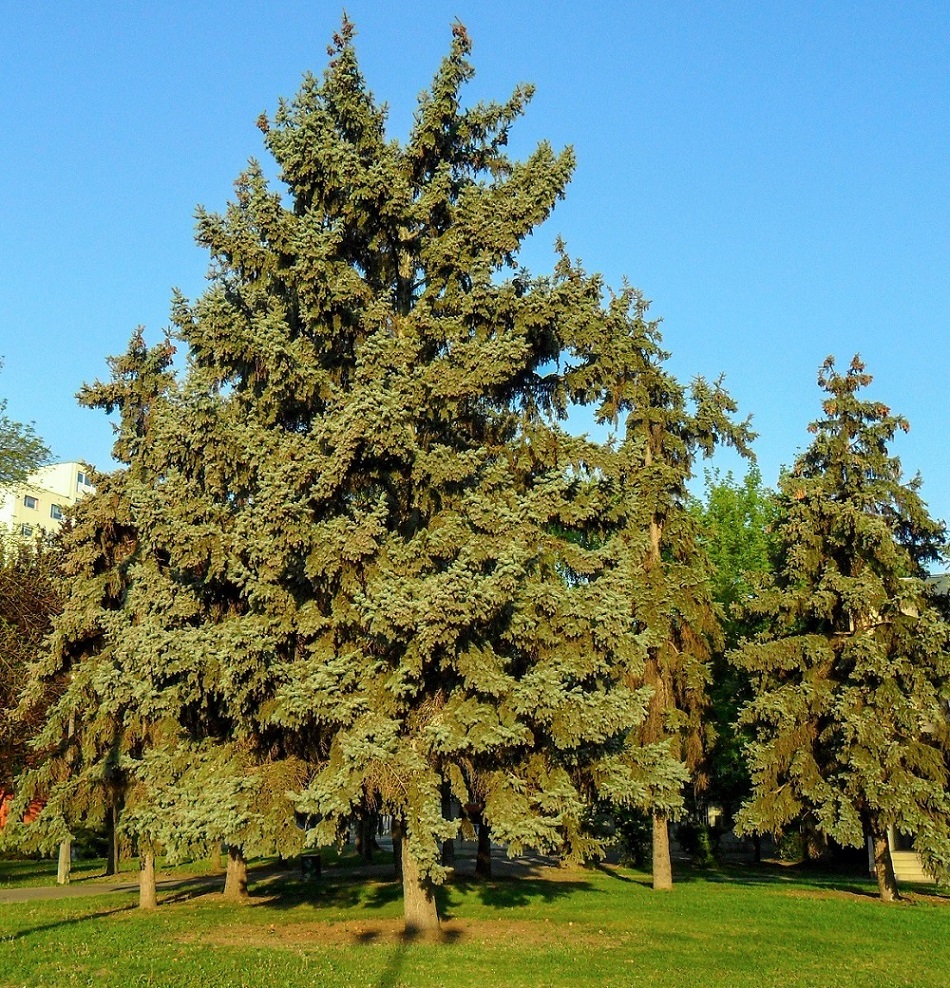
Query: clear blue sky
{"x": 775, "y": 176}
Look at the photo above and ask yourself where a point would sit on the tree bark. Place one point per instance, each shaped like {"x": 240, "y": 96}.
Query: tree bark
{"x": 884, "y": 866}
{"x": 235, "y": 882}
{"x": 214, "y": 858}
{"x": 65, "y": 863}
{"x": 662, "y": 863}
{"x": 483, "y": 854}
{"x": 112, "y": 835}
{"x": 448, "y": 846}
{"x": 398, "y": 832}
{"x": 366, "y": 837}
{"x": 421, "y": 914}
{"x": 148, "y": 898}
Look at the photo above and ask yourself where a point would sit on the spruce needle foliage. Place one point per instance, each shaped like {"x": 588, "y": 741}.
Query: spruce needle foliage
{"x": 396, "y": 478}
{"x": 666, "y": 574}
{"x": 851, "y": 673}
{"x": 367, "y": 561}
{"x": 139, "y": 726}
{"x": 369, "y": 451}
{"x": 105, "y": 710}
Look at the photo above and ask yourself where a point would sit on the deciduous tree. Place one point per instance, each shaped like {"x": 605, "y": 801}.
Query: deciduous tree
{"x": 21, "y": 449}
{"x": 736, "y": 519}
{"x": 30, "y": 597}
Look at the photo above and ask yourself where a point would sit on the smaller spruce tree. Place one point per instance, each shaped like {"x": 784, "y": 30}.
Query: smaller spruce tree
{"x": 101, "y": 715}
{"x": 664, "y": 572}
{"x": 851, "y": 674}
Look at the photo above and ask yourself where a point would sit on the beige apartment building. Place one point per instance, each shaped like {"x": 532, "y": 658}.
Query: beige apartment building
{"x": 39, "y": 503}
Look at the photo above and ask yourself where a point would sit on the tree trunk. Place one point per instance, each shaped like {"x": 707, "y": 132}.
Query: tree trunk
{"x": 65, "y": 864}
{"x": 662, "y": 864}
{"x": 816, "y": 845}
{"x": 448, "y": 846}
{"x": 366, "y": 837}
{"x": 418, "y": 893}
{"x": 214, "y": 858}
{"x": 483, "y": 854}
{"x": 884, "y": 866}
{"x": 112, "y": 835}
{"x": 398, "y": 832}
{"x": 235, "y": 883}
{"x": 148, "y": 898}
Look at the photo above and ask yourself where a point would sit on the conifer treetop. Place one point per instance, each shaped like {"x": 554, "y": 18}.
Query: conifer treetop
{"x": 851, "y": 667}
{"x": 368, "y": 555}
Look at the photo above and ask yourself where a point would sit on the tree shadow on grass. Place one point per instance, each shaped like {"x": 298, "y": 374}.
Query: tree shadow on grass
{"x": 803, "y": 877}
{"x": 59, "y": 924}
{"x": 391, "y": 975}
{"x": 720, "y": 876}
{"x": 406, "y": 937}
{"x": 354, "y": 891}
{"x": 507, "y": 892}
{"x": 336, "y": 892}
{"x": 752, "y": 874}
{"x": 644, "y": 881}
{"x": 187, "y": 891}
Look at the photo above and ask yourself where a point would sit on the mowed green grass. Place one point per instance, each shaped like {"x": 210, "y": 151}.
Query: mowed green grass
{"x": 30, "y": 873}
{"x": 576, "y": 928}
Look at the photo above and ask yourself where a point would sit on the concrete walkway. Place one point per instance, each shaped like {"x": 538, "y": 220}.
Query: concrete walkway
{"x": 87, "y": 887}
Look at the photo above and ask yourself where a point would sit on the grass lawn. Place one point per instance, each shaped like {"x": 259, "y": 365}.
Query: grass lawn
{"x": 19, "y": 873}
{"x": 33, "y": 872}
{"x": 553, "y": 927}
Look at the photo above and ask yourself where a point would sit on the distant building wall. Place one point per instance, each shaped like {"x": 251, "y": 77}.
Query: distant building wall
{"x": 39, "y": 503}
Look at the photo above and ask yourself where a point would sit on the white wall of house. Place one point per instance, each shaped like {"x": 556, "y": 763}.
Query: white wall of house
{"x": 908, "y": 866}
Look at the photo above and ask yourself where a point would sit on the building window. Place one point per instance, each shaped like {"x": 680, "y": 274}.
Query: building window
{"x": 26, "y": 530}
{"x": 55, "y": 511}
{"x": 30, "y": 502}
{"x": 81, "y": 480}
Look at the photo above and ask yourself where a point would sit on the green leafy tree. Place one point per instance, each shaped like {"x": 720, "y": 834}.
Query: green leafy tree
{"x": 30, "y": 597}
{"x": 851, "y": 672}
{"x": 21, "y": 449}
{"x": 736, "y": 519}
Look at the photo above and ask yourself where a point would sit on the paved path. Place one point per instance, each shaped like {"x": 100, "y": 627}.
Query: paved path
{"x": 86, "y": 887}
{"x": 38, "y": 893}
